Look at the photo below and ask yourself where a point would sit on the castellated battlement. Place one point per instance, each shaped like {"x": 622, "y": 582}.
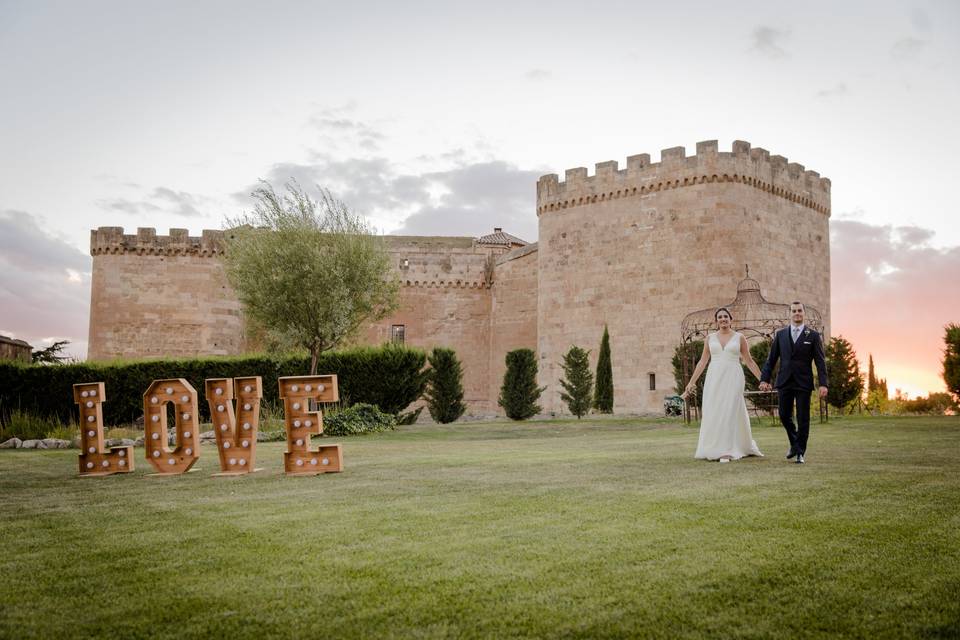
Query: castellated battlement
{"x": 112, "y": 240}
{"x": 752, "y": 167}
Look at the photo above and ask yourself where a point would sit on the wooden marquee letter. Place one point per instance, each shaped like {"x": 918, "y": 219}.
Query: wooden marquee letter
{"x": 301, "y": 423}
{"x": 94, "y": 459}
{"x": 184, "y": 398}
{"x": 235, "y": 444}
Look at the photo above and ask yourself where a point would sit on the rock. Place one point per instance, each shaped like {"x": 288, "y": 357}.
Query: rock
{"x": 208, "y": 435}
{"x": 56, "y": 443}
{"x": 112, "y": 442}
{"x": 126, "y": 442}
{"x": 30, "y": 444}
{"x": 139, "y": 441}
{"x": 12, "y": 443}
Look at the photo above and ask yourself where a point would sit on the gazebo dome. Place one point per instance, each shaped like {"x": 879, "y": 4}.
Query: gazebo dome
{"x": 753, "y": 315}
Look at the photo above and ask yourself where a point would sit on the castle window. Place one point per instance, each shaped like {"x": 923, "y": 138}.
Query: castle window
{"x": 397, "y": 333}
{"x": 653, "y": 381}
{"x": 405, "y": 264}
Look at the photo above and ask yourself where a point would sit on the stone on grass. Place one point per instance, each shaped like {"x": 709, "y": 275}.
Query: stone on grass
{"x": 12, "y": 443}
{"x": 31, "y": 444}
{"x": 55, "y": 443}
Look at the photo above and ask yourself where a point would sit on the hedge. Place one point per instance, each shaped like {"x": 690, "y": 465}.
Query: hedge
{"x": 390, "y": 377}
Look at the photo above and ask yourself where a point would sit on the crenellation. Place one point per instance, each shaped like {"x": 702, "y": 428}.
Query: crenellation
{"x": 707, "y": 148}
{"x": 746, "y": 165}
{"x": 637, "y": 162}
{"x": 741, "y": 148}
{"x": 673, "y": 154}
{"x": 112, "y": 240}
{"x": 606, "y": 169}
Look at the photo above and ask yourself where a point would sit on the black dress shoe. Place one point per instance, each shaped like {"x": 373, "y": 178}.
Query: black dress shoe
{"x": 800, "y": 458}
{"x": 792, "y": 453}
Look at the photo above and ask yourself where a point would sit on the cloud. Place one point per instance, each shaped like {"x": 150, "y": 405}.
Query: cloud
{"x": 538, "y": 74}
{"x": 466, "y": 199}
{"x": 908, "y": 48}
{"x": 837, "y": 90}
{"x": 920, "y": 19}
{"x": 767, "y": 42}
{"x": 160, "y": 200}
{"x": 336, "y": 129}
{"x": 45, "y": 289}
{"x": 892, "y": 294}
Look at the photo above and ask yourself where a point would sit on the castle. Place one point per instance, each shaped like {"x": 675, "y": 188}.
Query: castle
{"x": 635, "y": 249}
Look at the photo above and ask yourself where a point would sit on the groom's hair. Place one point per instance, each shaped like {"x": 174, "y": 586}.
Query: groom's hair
{"x": 799, "y": 303}
{"x": 718, "y": 313}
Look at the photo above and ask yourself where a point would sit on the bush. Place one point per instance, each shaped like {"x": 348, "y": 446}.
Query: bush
{"x": 519, "y": 393}
{"x": 444, "y": 386}
{"x": 358, "y": 419}
{"x": 27, "y": 426}
{"x": 578, "y": 381}
{"x": 391, "y": 377}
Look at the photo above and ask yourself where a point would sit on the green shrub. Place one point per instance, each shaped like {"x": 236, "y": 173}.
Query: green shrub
{"x": 519, "y": 393}
{"x": 26, "y": 425}
{"x": 577, "y": 382}
{"x": 444, "y": 386}
{"x": 603, "y": 397}
{"x": 391, "y": 377}
{"x": 358, "y": 419}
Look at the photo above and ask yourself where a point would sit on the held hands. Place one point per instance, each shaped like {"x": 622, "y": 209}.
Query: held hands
{"x": 765, "y": 386}
{"x": 823, "y": 392}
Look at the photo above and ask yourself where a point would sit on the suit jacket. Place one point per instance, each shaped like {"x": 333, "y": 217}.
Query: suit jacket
{"x": 795, "y": 360}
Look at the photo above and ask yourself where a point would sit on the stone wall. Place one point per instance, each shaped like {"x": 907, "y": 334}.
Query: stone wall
{"x": 513, "y": 318}
{"x": 160, "y": 296}
{"x": 638, "y": 249}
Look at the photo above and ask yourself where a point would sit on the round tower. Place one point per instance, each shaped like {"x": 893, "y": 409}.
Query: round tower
{"x": 639, "y": 248}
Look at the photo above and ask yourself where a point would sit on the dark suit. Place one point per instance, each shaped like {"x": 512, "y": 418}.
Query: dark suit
{"x": 795, "y": 380}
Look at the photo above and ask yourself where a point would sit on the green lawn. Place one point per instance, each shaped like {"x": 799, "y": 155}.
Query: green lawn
{"x": 602, "y": 528}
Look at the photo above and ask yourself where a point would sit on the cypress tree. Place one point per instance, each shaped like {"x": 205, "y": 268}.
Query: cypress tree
{"x": 578, "y": 381}
{"x": 871, "y": 375}
{"x": 519, "y": 393}
{"x": 444, "y": 392}
{"x": 603, "y": 397}
{"x": 845, "y": 381}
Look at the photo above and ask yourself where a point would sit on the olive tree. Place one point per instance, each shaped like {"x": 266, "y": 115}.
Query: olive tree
{"x": 308, "y": 272}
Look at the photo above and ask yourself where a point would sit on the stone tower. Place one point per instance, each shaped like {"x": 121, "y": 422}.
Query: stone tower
{"x": 638, "y": 248}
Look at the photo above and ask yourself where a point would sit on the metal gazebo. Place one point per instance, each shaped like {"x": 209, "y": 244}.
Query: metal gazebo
{"x": 753, "y": 316}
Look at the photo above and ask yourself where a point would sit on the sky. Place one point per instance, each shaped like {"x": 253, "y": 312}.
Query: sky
{"x": 438, "y": 117}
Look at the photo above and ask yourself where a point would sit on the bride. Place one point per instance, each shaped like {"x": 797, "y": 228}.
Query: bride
{"x": 725, "y": 428}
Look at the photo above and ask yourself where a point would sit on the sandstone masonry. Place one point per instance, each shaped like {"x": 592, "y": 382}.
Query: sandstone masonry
{"x": 636, "y": 249}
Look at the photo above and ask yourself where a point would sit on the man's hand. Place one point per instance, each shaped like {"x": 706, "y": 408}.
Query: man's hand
{"x": 765, "y": 386}
{"x": 823, "y": 392}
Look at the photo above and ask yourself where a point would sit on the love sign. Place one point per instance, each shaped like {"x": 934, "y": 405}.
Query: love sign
{"x": 235, "y": 414}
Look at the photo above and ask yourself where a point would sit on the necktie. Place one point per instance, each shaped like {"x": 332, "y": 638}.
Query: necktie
{"x": 796, "y": 334}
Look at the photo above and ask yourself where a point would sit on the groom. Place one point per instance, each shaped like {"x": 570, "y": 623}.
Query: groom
{"x": 796, "y": 347}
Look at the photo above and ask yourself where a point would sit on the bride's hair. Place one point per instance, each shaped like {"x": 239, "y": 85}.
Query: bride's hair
{"x": 718, "y": 313}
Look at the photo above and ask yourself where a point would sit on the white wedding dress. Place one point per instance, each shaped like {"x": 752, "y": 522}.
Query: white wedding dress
{"x": 725, "y": 427}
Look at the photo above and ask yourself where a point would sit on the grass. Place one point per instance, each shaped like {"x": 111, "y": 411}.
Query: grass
{"x": 587, "y": 529}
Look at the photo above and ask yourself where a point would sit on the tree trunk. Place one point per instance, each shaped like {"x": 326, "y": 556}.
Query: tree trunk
{"x": 314, "y": 357}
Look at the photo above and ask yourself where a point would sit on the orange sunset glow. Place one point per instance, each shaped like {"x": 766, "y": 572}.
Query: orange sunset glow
{"x": 892, "y": 295}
